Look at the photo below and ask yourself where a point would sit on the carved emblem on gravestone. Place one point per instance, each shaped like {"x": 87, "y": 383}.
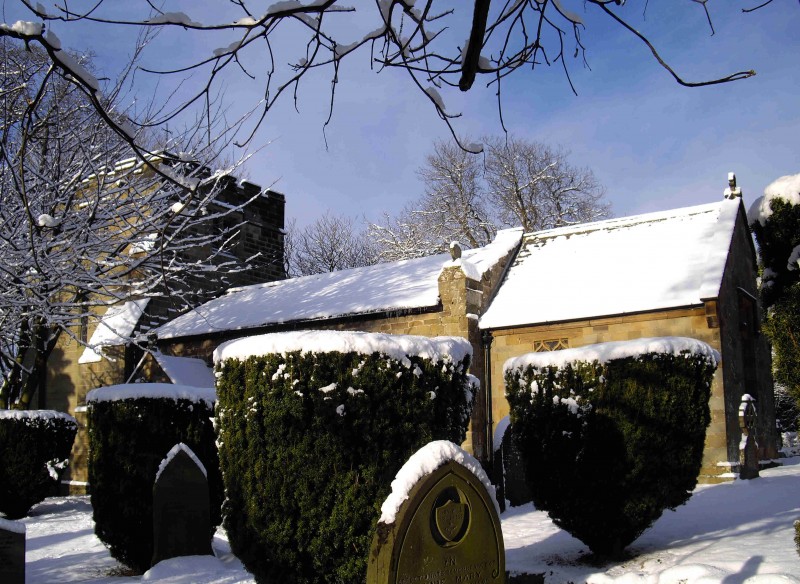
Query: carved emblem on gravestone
{"x": 447, "y": 531}
{"x": 452, "y": 517}
{"x": 181, "y": 507}
{"x": 12, "y": 552}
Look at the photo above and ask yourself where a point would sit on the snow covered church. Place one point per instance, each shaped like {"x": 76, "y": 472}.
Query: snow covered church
{"x": 687, "y": 272}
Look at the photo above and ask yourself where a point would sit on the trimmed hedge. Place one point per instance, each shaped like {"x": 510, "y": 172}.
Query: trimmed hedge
{"x": 129, "y": 435}
{"x": 310, "y": 443}
{"x": 34, "y": 451}
{"x": 609, "y": 443}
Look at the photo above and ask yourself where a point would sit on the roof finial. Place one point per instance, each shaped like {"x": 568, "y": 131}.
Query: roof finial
{"x": 732, "y": 191}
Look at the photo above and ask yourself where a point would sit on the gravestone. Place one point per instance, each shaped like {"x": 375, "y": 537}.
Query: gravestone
{"x": 516, "y": 488}
{"x": 446, "y": 532}
{"x": 181, "y": 508}
{"x": 12, "y": 552}
{"x": 748, "y": 448}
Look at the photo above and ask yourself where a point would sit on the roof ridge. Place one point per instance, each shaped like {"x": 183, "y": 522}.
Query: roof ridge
{"x": 626, "y": 221}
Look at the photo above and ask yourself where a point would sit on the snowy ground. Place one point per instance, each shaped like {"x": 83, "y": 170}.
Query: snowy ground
{"x": 727, "y": 534}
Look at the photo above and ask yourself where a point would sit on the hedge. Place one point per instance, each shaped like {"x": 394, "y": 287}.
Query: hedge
{"x": 34, "y": 451}
{"x": 132, "y": 428}
{"x": 611, "y": 434}
{"x": 313, "y": 428}
{"x": 797, "y": 535}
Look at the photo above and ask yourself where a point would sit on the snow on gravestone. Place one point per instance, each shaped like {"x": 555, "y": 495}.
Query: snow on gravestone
{"x": 440, "y": 524}
{"x": 12, "y": 552}
{"x": 181, "y": 509}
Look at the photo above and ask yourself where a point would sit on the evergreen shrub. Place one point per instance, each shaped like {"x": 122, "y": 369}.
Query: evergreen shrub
{"x": 775, "y": 222}
{"x": 311, "y": 434}
{"x": 34, "y": 451}
{"x": 131, "y": 430}
{"x": 611, "y": 434}
{"x": 797, "y": 535}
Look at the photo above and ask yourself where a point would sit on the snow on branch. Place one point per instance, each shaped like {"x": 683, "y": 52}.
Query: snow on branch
{"x": 425, "y": 39}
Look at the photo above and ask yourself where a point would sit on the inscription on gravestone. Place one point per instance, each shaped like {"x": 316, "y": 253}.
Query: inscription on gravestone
{"x": 12, "y": 552}
{"x": 446, "y": 532}
{"x": 181, "y": 509}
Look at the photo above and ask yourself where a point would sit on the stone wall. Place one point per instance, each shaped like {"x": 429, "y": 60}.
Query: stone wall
{"x": 686, "y": 322}
{"x": 68, "y": 382}
{"x": 746, "y": 351}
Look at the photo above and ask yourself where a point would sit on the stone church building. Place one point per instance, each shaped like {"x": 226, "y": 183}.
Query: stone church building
{"x": 686, "y": 272}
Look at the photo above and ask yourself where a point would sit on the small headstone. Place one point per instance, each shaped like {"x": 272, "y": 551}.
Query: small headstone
{"x": 12, "y": 552}
{"x": 181, "y": 508}
{"x": 516, "y": 488}
{"x": 748, "y": 448}
{"x": 446, "y": 532}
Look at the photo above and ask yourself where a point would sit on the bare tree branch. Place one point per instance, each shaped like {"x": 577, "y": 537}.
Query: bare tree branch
{"x": 417, "y": 36}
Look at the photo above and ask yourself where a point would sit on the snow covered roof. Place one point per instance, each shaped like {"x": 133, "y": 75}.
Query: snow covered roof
{"x": 114, "y": 328}
{"x": 626, "y": 265}
{"x": 185, "y": 370}
{"x": 402, "y": 285}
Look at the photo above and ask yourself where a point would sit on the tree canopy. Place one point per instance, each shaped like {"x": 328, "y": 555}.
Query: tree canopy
{"x": 468, "y": 197}
{"x": 775, "y": 221}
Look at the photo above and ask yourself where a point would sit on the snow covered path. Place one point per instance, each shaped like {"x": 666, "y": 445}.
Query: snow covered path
{"x": 727, "y": 534}
{"x": 730, "y": 533}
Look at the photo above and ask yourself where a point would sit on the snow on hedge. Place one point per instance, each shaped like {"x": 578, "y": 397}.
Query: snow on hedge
{"x": 37, "y": 415}
{"x": 786, "y": 188}
{"x": 603, "y": 352}
{"x": 424, "y": 462}
{"x": 398, "y": 347}
{"x": 154, "y": 391}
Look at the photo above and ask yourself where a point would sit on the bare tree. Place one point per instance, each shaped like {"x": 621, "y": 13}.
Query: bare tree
{"x": 533, "y": 185}
{"x": 468, "y": 197}
{"x": 331, "y": 243}
{"x": 453, "y": 207}
{"x": 84, "y": 224}
{"x": 455, "y": 197}
{"x": 406, "y": 236}
{"x": 424, "y": 38}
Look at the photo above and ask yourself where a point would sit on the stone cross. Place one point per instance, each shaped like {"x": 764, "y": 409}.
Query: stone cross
{"x": 748, "y": 448}
{"x": 181, "y": 508}
{"x": 12, "y": 552}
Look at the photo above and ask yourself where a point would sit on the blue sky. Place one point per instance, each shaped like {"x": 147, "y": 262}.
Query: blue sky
{"x": 652, "y": 143}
